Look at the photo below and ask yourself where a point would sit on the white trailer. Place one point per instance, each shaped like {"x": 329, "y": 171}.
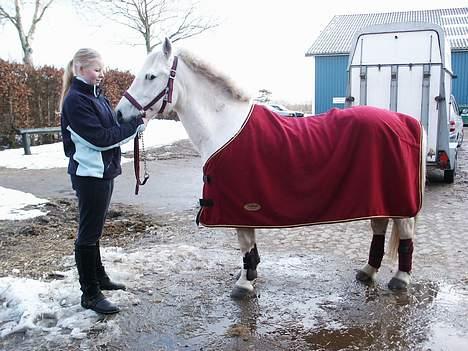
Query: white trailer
{"x": 406, "y": 67}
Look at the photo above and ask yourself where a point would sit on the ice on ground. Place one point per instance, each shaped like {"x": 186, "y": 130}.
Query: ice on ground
{"x": 51, "y": 309}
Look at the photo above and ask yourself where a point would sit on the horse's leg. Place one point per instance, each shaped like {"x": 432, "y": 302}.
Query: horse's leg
{"x": 405, "y": 228}
{"x": 376, "y": 252}
{"x": 250, "y": 260}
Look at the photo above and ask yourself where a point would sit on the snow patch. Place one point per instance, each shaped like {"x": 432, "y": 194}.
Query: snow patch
{"x": 14, "y": 205}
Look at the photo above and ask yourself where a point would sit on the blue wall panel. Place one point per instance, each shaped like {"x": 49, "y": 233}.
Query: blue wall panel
{"x": 330, "y": 81}
{"x": 460, "y": 69}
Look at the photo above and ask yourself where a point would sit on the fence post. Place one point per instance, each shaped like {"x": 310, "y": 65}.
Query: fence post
{"x": 26, "y": 143}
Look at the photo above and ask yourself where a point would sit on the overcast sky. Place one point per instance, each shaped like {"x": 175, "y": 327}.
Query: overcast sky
{"x": 259, "y": 43}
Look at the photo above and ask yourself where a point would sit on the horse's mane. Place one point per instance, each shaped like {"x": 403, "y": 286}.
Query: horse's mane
{"x": 219, "y": 79}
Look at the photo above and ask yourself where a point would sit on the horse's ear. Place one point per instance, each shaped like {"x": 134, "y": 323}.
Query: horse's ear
{"x": 167, "y": 47}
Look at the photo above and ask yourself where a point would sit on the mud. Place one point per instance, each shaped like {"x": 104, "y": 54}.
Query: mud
{"x": 53, "y": 237}
{"x": 306, "y": 296}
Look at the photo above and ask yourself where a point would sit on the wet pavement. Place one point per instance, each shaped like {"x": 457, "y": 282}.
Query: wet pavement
{"x": 306, "y": 296}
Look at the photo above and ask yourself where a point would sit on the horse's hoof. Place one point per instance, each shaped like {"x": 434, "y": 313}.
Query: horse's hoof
{"x": 239, "y": 293}
{"x": 397, "y": 284}
{"x": 363, "y": 277}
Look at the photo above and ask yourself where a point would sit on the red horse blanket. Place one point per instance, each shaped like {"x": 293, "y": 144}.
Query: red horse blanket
{"x": 344, "y": 165}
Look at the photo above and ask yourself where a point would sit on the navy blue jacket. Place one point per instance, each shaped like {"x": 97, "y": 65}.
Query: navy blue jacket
{"x": 91, "y": 135}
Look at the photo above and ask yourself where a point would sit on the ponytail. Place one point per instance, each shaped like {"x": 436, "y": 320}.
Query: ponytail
{"x": 66, "y": 82}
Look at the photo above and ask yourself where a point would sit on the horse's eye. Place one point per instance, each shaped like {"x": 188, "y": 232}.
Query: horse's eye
{"x": 150, "y": 76}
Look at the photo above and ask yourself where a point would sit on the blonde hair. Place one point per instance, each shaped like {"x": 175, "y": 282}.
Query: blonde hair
{"x": 82, "y": 58}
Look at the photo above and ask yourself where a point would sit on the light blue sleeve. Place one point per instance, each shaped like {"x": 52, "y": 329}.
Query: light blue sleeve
{"x": 82, "y": 141}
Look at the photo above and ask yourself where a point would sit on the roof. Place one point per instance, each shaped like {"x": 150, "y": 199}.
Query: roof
{"x": 337, "y": 36}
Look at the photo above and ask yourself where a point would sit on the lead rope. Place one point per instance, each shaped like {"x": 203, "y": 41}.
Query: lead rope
{"x": 136, "y": 161}
{"x": 143, "y": 156}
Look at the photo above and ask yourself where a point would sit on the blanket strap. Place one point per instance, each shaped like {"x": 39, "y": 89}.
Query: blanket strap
{"x": 206, "y": 202}
{"x": 203, "y": 203}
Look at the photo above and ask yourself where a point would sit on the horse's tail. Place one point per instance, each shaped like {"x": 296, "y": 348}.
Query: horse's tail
{"x": 394, "y": 241}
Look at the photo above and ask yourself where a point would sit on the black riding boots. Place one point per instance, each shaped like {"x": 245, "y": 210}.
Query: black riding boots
{"x": 92, "y": 298}
{"x": 103, "y": 279}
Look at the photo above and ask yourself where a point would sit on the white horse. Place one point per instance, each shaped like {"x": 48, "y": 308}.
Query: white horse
{"x": 213, "y": 110}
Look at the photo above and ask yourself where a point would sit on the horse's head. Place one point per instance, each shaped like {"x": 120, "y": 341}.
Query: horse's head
{"x": 151, "y": 92}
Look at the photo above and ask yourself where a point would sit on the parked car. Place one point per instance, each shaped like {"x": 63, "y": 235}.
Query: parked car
{"x": 464, "y": 114}
{"x": 283, "y": 111}
{"x": 455, "y": 123}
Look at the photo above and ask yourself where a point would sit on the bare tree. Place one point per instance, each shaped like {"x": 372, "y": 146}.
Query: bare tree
{"x": 14, "y": 13}
{"x": 153, "y": 19}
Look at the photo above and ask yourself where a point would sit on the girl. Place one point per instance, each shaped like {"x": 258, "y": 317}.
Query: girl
{"x": 91, "y": 140}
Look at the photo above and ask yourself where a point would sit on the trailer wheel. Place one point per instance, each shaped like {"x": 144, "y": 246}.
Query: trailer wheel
{"x": 449, "y": 174}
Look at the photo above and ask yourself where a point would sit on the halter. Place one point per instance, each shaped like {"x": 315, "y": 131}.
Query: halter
{"x": 166, "y": 94}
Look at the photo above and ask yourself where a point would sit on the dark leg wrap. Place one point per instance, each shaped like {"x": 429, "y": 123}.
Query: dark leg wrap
{"x": 376, "y": 252}
{"x": 251, "y": 260}
{"x": 405, "y": 255}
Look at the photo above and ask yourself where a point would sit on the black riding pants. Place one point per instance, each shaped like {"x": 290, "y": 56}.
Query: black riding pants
{"x": 94, "y": 195}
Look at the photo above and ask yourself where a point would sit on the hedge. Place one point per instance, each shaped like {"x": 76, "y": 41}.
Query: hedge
{"x": 29, "y": 97}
